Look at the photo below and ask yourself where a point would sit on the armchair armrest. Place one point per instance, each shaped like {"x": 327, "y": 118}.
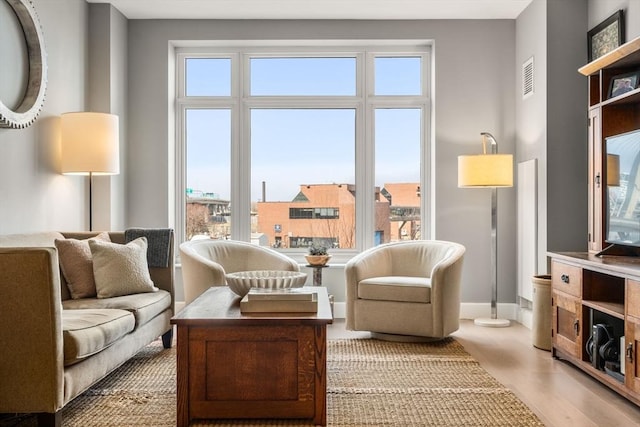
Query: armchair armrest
{"x": 446, "y": 278}
{"x": 372, "y": 263}
{"x": 199, "y": 272}
{"x": 375, "y": 262}
{"x": 31, "y": 360}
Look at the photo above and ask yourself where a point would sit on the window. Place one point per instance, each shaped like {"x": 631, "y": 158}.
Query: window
{"x": 398, "y": 76}
{"x": 397, "y": 168}
{"x": 314, "y": 213}
{"x": 300, "y": 76}
{"x": 208, "y": 76}
{"x": 316, "y": 145}
{"x": 208, "y": 172}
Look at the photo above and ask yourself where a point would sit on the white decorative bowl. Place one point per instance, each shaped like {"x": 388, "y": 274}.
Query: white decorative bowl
{"x": 241, "y": 281}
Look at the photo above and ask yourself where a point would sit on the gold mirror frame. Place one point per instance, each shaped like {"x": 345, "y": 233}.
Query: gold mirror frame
{"x": 27, "y": 112}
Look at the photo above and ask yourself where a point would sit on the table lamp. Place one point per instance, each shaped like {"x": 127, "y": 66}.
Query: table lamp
{"x": 488, "y": 170}
{"x": 90, "y": 145}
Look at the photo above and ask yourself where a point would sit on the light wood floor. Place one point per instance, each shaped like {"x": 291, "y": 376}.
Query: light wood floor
{"x": 559, "y": 394}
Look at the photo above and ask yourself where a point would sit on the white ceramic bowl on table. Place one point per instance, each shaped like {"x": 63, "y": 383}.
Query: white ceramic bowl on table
{"x": 241, "y": 281}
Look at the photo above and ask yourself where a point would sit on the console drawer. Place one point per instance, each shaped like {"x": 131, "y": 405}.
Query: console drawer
{"x": 633, "y": 298}
{"x": 566, "y": 278}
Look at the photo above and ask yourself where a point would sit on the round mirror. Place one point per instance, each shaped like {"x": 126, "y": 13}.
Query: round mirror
{"x": 24, "y": 112}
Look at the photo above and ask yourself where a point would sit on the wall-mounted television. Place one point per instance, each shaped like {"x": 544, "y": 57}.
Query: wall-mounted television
{"x": 622, "y": 222}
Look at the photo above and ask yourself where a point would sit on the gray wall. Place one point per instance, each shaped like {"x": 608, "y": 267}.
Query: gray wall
{"x": 566, "y": 131}
{"x": 474, "y": 92}
{"x": 86, "y": 72}
{"x": 550, "y": 124}
{"x": 531, "y": 114}
{"x": 108, "y": 82}
{"x": 33, "y": 195}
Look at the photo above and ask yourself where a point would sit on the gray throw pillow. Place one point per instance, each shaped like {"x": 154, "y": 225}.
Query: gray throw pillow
{"x": 121, "y": 269}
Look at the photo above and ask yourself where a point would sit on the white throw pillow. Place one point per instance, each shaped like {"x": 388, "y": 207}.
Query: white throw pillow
{"x": 121, "y": 269}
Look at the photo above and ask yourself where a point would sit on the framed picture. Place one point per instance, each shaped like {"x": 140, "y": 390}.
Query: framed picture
{"x": 623, "y": 83}
{"x": 606, "y": 36}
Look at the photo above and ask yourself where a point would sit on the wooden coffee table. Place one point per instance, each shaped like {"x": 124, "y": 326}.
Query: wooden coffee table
{"x": 263, "y": 365}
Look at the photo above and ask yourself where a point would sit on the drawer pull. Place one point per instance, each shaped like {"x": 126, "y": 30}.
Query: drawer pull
{"x": 576, "y": 327}
{"x": 630, "y": 352}
{"x": 565, "y": 278}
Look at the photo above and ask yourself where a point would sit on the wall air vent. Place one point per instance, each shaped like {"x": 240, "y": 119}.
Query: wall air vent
{"x": 527, "y": 78}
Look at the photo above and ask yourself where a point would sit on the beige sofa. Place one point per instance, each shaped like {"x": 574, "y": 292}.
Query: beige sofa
{"x": 55, "y": 347}
{"x": 407, "y": 291}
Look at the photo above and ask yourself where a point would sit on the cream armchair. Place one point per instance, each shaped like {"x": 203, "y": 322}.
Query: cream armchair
{"x": 205, "y": 263}
{"x": 405, "y": 290}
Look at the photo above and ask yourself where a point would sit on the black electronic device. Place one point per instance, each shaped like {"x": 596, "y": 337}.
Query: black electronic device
{"x": 602, "y": 346}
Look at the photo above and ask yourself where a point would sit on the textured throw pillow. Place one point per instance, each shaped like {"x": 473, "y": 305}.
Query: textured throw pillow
{"x": 77, "y": 268}
{"x": 121, "y": 269}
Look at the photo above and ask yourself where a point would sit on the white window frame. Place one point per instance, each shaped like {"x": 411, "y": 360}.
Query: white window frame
{"x": 365, "y": 102}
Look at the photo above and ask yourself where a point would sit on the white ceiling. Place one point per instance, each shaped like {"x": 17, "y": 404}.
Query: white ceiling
{"x": 319, "y": 9}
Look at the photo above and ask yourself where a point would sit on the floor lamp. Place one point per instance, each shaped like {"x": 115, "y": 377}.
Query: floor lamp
{"x": 90, "y": 145}
{"x": 490, "y": 170}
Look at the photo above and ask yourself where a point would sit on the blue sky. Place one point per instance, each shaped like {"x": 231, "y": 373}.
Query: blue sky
{"x": 290, "y": 147}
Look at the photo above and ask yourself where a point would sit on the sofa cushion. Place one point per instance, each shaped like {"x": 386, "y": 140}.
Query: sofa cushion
{"x": 144, "y": 306}
{"x": 396, "y": 288}
{"x": 121, "y": 269}
{"x": 89, "y": 331}
{"x": 77, "y": 265}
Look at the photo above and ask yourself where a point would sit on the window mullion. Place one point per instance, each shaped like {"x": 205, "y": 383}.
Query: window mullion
{"x": 241, "y": 157}
{"x": 180, "y": 164}
{"x": 427, "y": 176}
{"x": 365, "y": 173}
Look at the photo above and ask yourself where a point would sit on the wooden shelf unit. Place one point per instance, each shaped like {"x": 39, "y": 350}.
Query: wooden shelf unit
{"x": 588, "y": 289}
{"x": 607, "y": 117}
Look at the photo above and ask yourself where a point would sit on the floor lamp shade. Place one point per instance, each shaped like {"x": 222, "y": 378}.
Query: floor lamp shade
{"x": 90, "y": 144}
{"x": 485, "y": 170}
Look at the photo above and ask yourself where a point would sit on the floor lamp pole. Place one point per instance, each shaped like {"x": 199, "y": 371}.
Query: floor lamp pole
{"x": 494, "y": 253}
{"x": 90, "y": 201}
{"x": 494, "y": 322}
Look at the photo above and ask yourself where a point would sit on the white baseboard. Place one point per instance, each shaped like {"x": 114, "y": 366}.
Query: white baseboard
{"x": 470, "y": 310}
{"x": 525, "y": 317}
{"x": 467, "y": 311}
{"x": 340, "y": 310}
{"x": 505, "y": 311}
{"x": 179, "y": 305}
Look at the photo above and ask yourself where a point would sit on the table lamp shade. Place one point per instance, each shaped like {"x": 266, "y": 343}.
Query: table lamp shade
{"x": 485, "y": 170}
{"x": 90, "y": 144}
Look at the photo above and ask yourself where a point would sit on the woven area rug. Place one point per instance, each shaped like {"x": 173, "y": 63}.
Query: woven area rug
{"x": 369, "y": 383}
